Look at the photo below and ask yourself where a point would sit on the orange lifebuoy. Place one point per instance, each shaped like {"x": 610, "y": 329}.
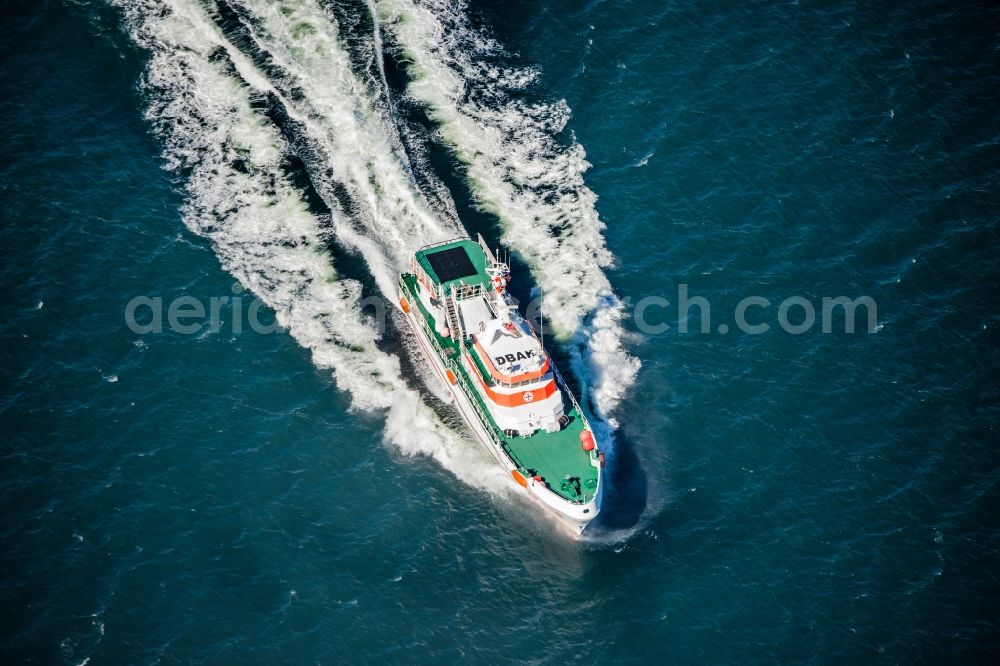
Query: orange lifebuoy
{"x": 519, "y": 478}
{"x": 405, "y": 304}
{"x": 451, "y": 376}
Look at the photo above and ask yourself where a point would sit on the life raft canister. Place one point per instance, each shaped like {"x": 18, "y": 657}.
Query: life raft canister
{"x": 587, "y": 441}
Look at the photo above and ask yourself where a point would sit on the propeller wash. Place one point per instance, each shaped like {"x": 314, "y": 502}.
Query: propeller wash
{"x": 264, "y": 108}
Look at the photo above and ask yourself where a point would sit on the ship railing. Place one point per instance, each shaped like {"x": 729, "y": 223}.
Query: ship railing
{"x": 456, "y": 239}
{"x": 486, "y": 249}
{"x": 572, "y": 398}
{"x": 431, "y": 335}
{"x": 595, "y": 453}
{"x": 432, "y": 338}
{"x": 420, "y": 273}
{"x": 582, "y": 498}
{"x": 463, "y": 291}
{"x": 452, "y": 365}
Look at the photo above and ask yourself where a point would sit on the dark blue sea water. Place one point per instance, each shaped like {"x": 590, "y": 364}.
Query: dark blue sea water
{"x": 225, "y": 495}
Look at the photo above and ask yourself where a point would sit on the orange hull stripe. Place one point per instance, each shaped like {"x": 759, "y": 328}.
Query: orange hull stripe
{"x": 513, "y": 399}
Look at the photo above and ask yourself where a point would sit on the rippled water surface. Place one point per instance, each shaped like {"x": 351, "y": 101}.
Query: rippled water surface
{"x": 303, "y": 496}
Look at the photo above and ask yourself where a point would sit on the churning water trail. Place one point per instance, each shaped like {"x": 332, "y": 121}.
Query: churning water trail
{"x": 232, "y": 157}
{"x": 237, "y": 88}
{"x": 519, "y": 171}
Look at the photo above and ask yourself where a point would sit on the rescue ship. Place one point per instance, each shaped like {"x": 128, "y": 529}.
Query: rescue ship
{"x": 500, "y": 377}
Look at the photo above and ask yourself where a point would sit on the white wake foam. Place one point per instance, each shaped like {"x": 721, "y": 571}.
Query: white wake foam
{"x": 262, "y": 230}
{"x": 204, "y": 93}
{"x": 519, "y": 171}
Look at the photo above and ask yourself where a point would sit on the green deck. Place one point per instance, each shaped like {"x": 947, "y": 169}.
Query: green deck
{"x": 475, "y": 254}
{"x": 555, "y": 456}
{"x": 552, "y": 456}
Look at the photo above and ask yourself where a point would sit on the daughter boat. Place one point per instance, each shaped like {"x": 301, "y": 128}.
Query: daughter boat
{"x": 502, "y": 380}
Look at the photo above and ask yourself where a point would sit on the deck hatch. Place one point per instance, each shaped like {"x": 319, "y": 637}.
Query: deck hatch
{"x": 451, "y": 264}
